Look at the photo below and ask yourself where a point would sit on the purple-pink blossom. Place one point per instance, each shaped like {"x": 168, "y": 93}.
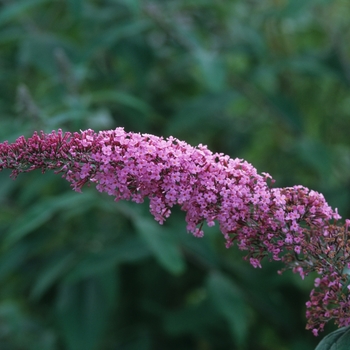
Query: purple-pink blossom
{"x": 294, "y": 225}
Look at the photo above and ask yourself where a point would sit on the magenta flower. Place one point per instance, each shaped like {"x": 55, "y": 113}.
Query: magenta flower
{"x": 294, "y": 224}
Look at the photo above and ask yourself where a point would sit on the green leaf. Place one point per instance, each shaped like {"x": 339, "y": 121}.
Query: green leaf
{"x": 13, "y": 258}
{"x": 131, "y": 250}
{"x": 308, "y": 65}
{"x": 294, "y": 8}
{"x": 159, "y": 239}
{"x": 29, "y": 221}
{"x": 337, "y": 340}
{"x": 202, "y": 111}
{"x": 165, "y": 249}
{"x": 83, "y": 310}
{"x": 110, "y": 36}
{"x": 134, "y": 6}
{"x": 192, "y": 319}
{"x": 42, "y": 212}
{"x": 76, "y": 8}
{"x": 76, "y": 115}
{"x": 135, "y": 337}
{"x": 230, "y": 303}
{"x": 316, "y": 155}
{"x": 22, "y": 330}
{"x": 203, "y": 249}
{"x": 51, "y": 272}
{"x": 212, "y": 70}
{"x": 287, "y": 110}
{"x": 18, "y": 8}
{"x": 7, "y": 185}
{"x": 123, "y": 98}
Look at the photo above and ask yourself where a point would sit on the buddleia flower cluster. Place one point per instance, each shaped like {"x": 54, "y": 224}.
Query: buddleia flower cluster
{"x": 293, "y": 225}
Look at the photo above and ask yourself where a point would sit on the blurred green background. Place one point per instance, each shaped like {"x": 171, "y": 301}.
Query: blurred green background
{"x": 267, "y": 81}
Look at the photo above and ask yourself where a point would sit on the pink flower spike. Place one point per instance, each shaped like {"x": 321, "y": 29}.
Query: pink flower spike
{"x": 294, "y": 225}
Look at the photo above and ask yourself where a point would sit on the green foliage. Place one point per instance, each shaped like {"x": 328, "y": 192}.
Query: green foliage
{"x": 84, "y": 308}
{"x": 267, "y": 81}
{"x": 230, "y": 303}
{"x": 337, "y": 340}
